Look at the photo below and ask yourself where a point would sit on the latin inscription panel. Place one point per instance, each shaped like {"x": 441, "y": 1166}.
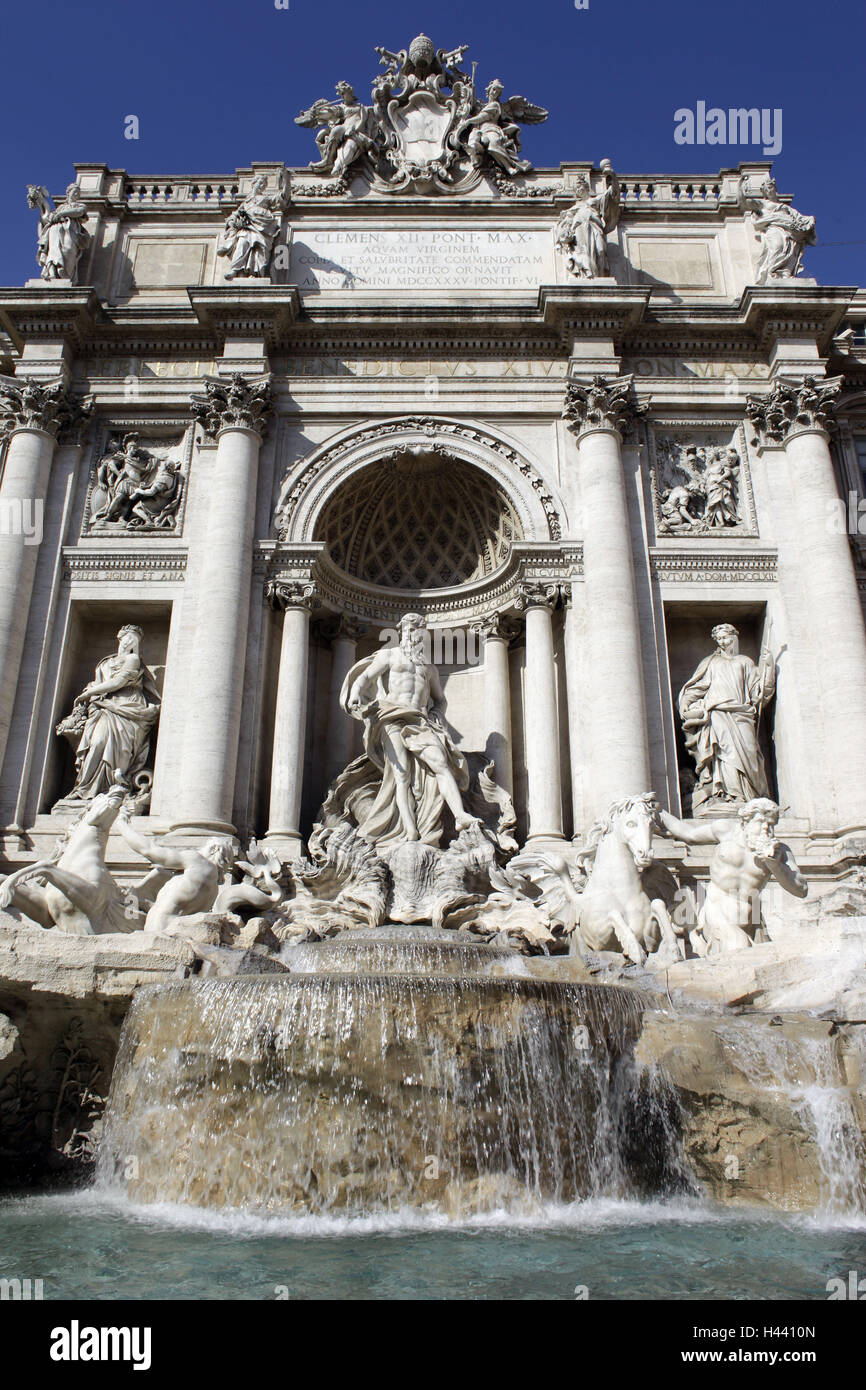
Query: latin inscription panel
{"x": 429, "y": 258}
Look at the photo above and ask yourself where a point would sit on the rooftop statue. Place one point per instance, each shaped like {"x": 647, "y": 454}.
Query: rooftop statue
{"x": 251, "y": 230}
{"x": 62, "y": 232}
{"x": 426, "y": 128}
{"x": 784, "y": 233}
{"x": 581, "y": 232}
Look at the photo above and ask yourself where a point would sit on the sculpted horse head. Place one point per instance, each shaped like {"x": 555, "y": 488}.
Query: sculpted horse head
{"x": 630, "y": 823}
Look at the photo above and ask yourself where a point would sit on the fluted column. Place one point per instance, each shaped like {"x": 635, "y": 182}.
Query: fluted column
{"x": 496, "y": 633}
{"x": 296, "y": 600}
{"x": 822, "y": 596}
{"x": 31, "y": 415}
{"x": 341, "y": 727}
{"x": 617, "y": 755}
{"x": 233, "y": 412}
{"x": 541, "y": 733}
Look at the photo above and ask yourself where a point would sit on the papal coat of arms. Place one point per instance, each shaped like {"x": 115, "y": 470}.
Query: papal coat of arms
{"x": 426, "y": 128}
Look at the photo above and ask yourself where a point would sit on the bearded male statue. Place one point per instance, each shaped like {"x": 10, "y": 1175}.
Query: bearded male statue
{"x": 411, "y": 769}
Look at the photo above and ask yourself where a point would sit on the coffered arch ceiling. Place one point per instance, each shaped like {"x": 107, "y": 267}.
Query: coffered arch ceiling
{"x": 419, "y": 520}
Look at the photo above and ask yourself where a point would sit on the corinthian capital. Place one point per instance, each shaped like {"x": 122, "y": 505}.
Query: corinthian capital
{"x": 536, "y": 593}
{"x": 790, "y": 407}
{"x": 605, "y": 405}
{"x": 497, "y": 625}
{"x": 290, "y": 593}
{"x": 235, "y": 404}
{"x": 34, "y": 405}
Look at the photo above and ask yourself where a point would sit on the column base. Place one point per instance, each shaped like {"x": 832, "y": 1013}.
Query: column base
{"x": 195, "y": 832}
{"x": 546, "y": 839}
{"x": 286, "y": 844}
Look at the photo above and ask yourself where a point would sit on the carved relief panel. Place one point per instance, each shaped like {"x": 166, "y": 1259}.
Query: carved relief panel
{"x": 699, "y": 480}
{"x": 138, "y": 481}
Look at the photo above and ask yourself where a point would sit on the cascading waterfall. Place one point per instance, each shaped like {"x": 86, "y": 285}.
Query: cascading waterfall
{"x": 380, "y": 1074}
{"x": 805, "y": 1070}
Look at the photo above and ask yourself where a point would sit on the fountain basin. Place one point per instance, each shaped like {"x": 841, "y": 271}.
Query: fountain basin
{"x": 362, "y": 1092}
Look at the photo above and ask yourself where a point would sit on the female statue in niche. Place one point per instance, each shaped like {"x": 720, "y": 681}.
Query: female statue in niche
{"x": 720, "y": 709}
{"x": 113, "y": 719}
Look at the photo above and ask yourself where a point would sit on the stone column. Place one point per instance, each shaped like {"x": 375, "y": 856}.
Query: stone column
{"x": 822, "y": 596}
{"x": 341, "y": 727}
{"x": 573, "y": 683}
{"x": 617, "y": 755}
{"x": 543, "y": 775}
{"x": 234, "y": 413}
{"x": 496, "y": 632}
{"x": 31, "y": 415}
{"x": 295, "y": 599}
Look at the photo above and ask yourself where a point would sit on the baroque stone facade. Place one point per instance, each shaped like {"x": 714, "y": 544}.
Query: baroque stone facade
{"x": 579, "y": 422}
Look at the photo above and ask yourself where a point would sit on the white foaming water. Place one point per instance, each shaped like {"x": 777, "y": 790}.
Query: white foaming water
{"x": 353, "y": 1094}
{"x": 806, "y": 1070}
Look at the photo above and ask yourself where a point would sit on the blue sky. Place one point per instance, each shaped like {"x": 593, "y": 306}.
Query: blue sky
{"x": 217, "y": 84}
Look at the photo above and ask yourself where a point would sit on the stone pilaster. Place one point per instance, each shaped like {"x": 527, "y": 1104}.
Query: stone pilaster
{"x": 296, "y": 600}
{"x": 616, "y": 758}
{"x": 819, "y": 589}
{"x": 234, "y": 413}
{"x": 537, "y": 599}
{"x": 32, "y": 414}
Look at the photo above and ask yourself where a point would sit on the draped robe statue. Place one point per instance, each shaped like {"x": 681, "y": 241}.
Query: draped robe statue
{"x": 250, "y": 232}
{"x": 720, "y": 708}
{"x": 113, "y": 720}
{"x": 411, "y": 769}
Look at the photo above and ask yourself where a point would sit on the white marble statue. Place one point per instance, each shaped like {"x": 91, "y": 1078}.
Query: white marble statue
{"x": 784, "y": 232}
{"x": 720, "y": 708}
{"x": 612, "y": 910}
{"x": 347, "y": 131}
{"x": 62, "y": 232}
{"x": 581, "y": 232}
{"x": 112, "y": 721}
{"x": 73, "y": 890}
{"x": 426, "y": 128}
{"x": 196, "y": 875}
{"x": 492, "y": 131}
{"x": 412, "y": 769}
{"x": 747, "y": 857}
{"x": 251, "y": 230}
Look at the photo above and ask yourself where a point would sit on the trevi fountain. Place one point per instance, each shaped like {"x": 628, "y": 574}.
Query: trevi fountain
{"x": 433, "y": 720}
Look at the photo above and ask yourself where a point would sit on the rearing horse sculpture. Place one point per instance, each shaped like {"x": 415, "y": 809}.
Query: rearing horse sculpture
{"x": 76, "y": 893}
{"x": 613, "y": 912}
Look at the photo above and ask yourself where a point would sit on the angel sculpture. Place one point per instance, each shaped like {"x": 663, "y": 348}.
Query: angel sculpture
{"x": 493, "y": 130}
{"x": 348, "y": 131}
{"x": 581, "y": 232}
{"x": 610, "y": 910}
